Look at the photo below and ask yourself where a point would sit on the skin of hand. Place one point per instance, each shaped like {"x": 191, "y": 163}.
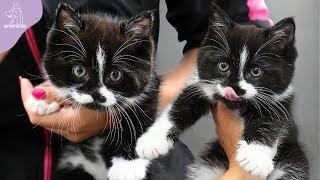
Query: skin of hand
{"x": 229, "y": 128}
{"x": 3, "y": 55}
{"x": 75, "y": 124}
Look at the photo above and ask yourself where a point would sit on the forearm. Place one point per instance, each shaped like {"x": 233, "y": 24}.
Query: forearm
{"x": 174, "y": 80}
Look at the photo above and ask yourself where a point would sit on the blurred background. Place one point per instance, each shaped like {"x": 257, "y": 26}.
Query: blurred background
{"x": 306, "y": 81}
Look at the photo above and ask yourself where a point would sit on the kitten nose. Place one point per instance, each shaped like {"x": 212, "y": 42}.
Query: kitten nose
{"x": 98, "y": 98}
{"x": 101, "y": 99}
{"x": 239, "y": 91}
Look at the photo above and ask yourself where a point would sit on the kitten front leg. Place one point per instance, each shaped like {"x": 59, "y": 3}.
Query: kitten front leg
{"x": 123, "y": 169}
{"x": 191, "y": 104}
{"x": 256, "y": 150}
{"x": 41, "y": 107}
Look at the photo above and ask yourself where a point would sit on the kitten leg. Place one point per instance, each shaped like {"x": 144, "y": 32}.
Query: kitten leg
{"x": 291, "y": 163}
{"x": 183, "y": 113}
{"x": 211, "y": 165}
{"x": 123, "y": 169}
{"x": 256, "y": 158}
{"x": 259, "y": 143}
{"x": 42, "y": 108}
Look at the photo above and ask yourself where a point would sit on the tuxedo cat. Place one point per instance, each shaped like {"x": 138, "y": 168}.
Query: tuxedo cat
{"x": 105, "y": 63}
{"x": 250, "y": 70}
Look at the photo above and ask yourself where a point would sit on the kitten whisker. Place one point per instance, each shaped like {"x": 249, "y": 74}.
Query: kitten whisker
{"x": 77, "y": 40}
{"x": 125, "y": 47}
{"x": 70, "y": 45}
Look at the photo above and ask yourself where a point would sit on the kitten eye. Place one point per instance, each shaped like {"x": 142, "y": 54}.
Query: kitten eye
{"x": 256, "y": 72}
{"x": 79, "y": 71}
{"x": 115, "y": 75}
{"x": 223, "y": 67}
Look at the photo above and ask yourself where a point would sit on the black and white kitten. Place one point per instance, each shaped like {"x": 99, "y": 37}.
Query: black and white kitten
{"x": 249, "y": 69}
{"x": 104, "y": 63}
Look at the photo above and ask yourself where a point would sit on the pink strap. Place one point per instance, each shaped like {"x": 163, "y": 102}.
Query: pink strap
{"x": 47, "y": 159}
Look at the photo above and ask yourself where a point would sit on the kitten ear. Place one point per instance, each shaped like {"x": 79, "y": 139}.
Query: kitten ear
{"x": 139, "y": 25}
{"x": 283, "y": 32}
{"x": 219, "y": 19}
{"x": 68, "y": 18}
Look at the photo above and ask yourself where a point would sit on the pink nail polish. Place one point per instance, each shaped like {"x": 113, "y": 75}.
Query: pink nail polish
{"x": 38, "y": 93}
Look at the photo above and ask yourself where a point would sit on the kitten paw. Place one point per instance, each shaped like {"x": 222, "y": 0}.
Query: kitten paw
{"x": 122, "y": 169}
{"x": 40, "y": 107}
{"x": 255, "y": 158}
{"x": 151, "y": 146}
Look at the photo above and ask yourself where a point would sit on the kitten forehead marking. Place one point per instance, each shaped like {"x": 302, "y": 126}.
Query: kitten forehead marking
{"x": 101, "y": 58}
{"x": 243, "y": 59}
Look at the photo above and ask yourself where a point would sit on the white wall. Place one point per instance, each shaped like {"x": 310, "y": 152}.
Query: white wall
{"x": 306, "y": 80}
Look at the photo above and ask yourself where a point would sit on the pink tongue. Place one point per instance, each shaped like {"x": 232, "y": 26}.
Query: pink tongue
{"x": 230, "y": 94}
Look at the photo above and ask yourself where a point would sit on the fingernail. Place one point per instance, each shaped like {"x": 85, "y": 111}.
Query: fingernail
{"x": 38, "y": 93}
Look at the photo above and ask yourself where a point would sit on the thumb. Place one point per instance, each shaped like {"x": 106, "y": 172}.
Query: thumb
{"x": 26, "y": 88}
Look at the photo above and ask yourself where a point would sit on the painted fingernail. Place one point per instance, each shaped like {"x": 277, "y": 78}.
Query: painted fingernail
{"x": 38, "y": 93}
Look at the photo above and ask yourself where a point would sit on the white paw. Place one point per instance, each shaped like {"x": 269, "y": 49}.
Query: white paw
{"x": 255, "y": 158}
{"x": 155, "y": 142}
{"x": 152, "y": 146}
{"x": 122, "y": 169}
{"x": 40, "y": 107}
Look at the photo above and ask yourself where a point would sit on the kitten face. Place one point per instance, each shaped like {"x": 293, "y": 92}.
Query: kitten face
{"x": 247, "y": 63}
{"x": 97, "y": 60}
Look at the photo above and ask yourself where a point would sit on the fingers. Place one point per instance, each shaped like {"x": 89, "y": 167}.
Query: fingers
{"x": 70, "y": 135}
{"x": 75, "y": 124}
{"x": 26, "y": 88}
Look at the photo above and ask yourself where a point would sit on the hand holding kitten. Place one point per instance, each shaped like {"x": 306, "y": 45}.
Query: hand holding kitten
{"x": 72, "y": 124}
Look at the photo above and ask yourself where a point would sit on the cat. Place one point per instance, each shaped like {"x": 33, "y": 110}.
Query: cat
{"x": 105, "y": 63}
{"x": 250, "y": 70}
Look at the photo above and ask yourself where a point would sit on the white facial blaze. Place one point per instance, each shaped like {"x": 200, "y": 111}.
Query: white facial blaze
{"x": 111, "y": 99}
{"x": 243, "y": 59}
{"x": 101, "y": 58}
{"x": 243, "y": 84}
{"x": 249, "y": 88}
{"x": 81, "y": 97}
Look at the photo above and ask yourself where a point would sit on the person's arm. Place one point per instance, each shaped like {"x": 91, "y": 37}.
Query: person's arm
{"x": 174, "y": 80}
{"x": 229, "y": 129}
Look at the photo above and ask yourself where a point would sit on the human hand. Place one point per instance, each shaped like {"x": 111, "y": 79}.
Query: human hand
{"x": 75, "y": 124}
{"x": 229, "y": 128}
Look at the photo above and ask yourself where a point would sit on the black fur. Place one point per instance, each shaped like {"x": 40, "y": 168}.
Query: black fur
{"x": 139, "y": 80}
{"x": 273, "y": 51}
